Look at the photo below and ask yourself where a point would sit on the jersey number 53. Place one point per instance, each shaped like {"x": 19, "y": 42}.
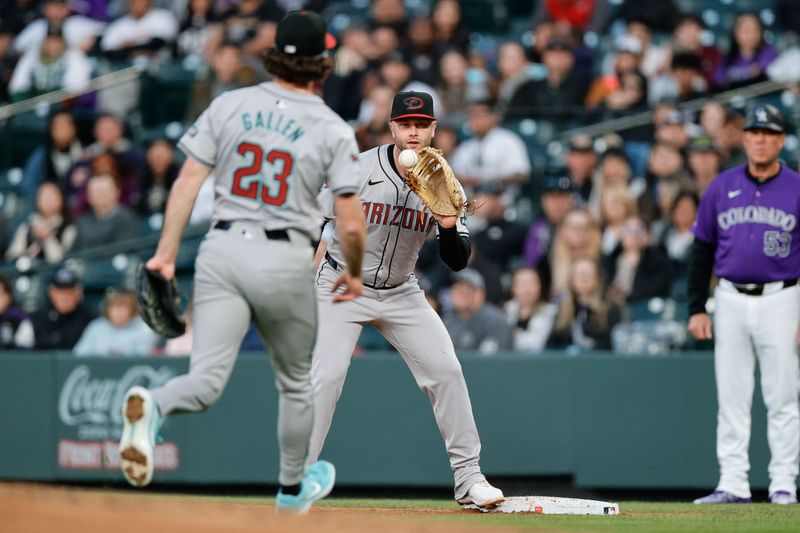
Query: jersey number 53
{"x": 249, "y": 182}
{"x": 777, "y": 243}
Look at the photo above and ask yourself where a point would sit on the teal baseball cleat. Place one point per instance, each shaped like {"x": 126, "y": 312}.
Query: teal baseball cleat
{"x": 316, "y": 484}
{"x": 142, "y": 422}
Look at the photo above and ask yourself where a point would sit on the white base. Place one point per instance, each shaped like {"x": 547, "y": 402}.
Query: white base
{"x": 550, "y": 505}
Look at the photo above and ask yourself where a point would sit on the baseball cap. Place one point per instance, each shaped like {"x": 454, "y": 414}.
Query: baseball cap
{"x": 581, "y": 143}
{"x": 303, "y": 33}
{"x": 471, "y": 277}
{"x": 557, "y": 43}
{"x": 65, "y": 278}
{"x": 673, "y": 117}
{"x": 629, "y": 43}
{"x": 557, "y": 183}
{"x": 412, "y": 104}
{"x": 492, "y": 188}
{"x": 766, "y": 117}
{"x": 702, "y": 143}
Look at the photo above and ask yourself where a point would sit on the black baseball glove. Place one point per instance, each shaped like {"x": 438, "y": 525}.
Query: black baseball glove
{"x": 159, "y": 303}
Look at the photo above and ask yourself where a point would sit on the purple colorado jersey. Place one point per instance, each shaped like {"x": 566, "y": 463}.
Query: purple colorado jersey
{"x": 753, "y": 226}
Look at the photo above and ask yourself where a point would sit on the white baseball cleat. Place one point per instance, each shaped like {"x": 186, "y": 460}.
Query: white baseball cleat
{"x": 142, "y": 422}
{"x": 483, "y": 494}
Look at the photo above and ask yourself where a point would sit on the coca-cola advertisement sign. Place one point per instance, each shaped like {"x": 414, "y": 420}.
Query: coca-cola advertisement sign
{"x": 90, "y": 414}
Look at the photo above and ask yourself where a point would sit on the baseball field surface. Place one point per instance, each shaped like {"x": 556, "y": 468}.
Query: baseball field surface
{"x": 33, "y": 508}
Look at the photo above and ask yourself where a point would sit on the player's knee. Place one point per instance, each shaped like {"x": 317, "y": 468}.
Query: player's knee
{"x": 449, "y": 372}
{"x": 208, "y": 390}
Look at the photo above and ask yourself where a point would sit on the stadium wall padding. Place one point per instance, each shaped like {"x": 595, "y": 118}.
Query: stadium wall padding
{"x": 609, "y": 421}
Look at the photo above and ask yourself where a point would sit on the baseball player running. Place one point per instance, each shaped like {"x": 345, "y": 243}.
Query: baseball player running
{"x": 397, "y": 226}
{"x": 747, "y": 229}
{"x": 271, "y": 146}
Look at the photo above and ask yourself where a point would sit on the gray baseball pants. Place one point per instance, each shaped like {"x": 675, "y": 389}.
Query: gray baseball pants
{"x": 408, "y": 322}
{"x": 241, "y": 275}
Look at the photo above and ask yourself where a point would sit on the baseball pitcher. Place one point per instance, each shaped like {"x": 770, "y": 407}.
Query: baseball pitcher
{"x": 397, "y": 225}
{"x": 746, "y": 229}
{"x": 271, "y": 148}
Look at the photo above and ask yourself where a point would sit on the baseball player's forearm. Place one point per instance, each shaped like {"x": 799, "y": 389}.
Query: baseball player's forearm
{"x": 701, "y": 265}
{"x": 351, "y": 231}
{"x": 454, "y": 249}
{"x": 179, "y": 207}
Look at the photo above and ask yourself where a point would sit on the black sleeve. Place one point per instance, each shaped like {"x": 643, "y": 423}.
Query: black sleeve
{"x": 454, "y": 248}
{"x": 701, "y": 264}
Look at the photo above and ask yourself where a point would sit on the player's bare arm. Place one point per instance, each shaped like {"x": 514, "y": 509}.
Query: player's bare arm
{"x": 351, "y": 231}
{"x": 179, "y": 208}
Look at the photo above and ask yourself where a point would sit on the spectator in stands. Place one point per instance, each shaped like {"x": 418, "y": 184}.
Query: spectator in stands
{"x": 50, "y": 67}
{"x": 513, "y": 70}
{"x": 397, "y": 74}
{"x": 748, "y": 56}
{"x": 493, "y": 154}
{"x": 543, "y": 31}
{"x": 666, "y": 164}
{"x": 560, "y": 96}
{"x": 379, "y": 102}
{"x": 79, "y": 32}
{"x": 637, "y": 271}
{"x": 557, "y": 200}
{"x": 108, "y": 222}
{"x": 684, "y": 81}
{"x": 119, "y": 332}
{"x": 613, "y": 170}
{"x": 499, "y": 239}
{"x": 8, "y": 60}
{"x": 53, "y": 160}
{"x": 459, "y": 85}
{"x": 16, "y": 331}
{"x": 446, "y": 140}
{"x": 342, "y": 89}
{"x": 59, "y": 324}
{"x": 577, "y": 236}
{"x": 391, "y": 14}
{"x": 48, "y": 233}
{"x": 687, "y": 37}
{"x": 473, "y": 323}
{"x": 109, "y": 135}
{"x": 729, "y": 140}
{"x": 583, "y": 16}
{"x": 659, "y": 15}
{"x": 449, "y": 30}
{"x": 676, "y": 237}
{"x": 671, "y": 129}
{"x": 161, "y": 173}
{"x": 616, "y": 207}
{"x": 704, "y": 162}
{"x": 251, "y": 25}
{"x": 712, "y": 118}
{"x": 194, "y": 33}
{"x": 580, "y": 161}
{"x": 420, "y": 51}
{"x": 584, "y": 319}
{"x": 528, "y": 312}
{"x": 624, "y": 91}
{"x": 144, "y": 31}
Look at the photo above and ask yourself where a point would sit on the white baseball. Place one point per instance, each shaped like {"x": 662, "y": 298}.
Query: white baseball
{"x": 408, "y": 158}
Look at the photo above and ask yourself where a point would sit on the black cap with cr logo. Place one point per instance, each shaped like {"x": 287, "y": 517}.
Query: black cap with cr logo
{"x": 412, "y": 104}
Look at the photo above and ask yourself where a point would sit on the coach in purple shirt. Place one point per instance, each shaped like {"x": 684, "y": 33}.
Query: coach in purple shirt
{"x": 747, "y": 229}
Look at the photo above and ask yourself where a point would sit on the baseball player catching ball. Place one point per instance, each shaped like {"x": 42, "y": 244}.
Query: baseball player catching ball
{"x": 397, "y": 225}
{"x": 747, "y": 229}
{"x": 271, "y": 147}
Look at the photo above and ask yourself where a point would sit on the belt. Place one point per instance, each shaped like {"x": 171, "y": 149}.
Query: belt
{"x": 336, "y": 266}
{"x": 758, "y": 289}
{"x": 272, "y": 234}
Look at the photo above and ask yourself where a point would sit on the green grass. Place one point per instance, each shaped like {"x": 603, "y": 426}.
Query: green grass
{"x": 635, "y": 517}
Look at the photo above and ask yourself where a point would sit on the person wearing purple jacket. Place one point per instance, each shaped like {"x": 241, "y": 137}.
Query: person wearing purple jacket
{"x": 746, "y": 228}
{"x": 748, "y": 57}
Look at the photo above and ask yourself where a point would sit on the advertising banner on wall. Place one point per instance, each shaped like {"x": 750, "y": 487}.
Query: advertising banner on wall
{"x": 89, "y": 419}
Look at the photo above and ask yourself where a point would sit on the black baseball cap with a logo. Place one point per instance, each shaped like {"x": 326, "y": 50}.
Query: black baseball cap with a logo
{"x": 412, "y": 104}
{"x": 303, "y": 33}
{"x": 765, "y": 117}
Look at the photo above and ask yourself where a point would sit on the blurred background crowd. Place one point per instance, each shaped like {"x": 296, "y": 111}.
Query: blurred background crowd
{"x": 585, "y": 130}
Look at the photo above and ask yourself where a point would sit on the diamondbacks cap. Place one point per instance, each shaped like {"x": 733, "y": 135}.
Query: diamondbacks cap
{"x": 765, "y": 117}
{"x": 303, "y": 33}
{"x": 412, "y": 104}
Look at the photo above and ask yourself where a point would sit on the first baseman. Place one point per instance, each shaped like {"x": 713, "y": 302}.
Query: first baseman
{"x": 397, "y": 225}
{"x": 271, "y": 147}
{"x": 747, "y": 229}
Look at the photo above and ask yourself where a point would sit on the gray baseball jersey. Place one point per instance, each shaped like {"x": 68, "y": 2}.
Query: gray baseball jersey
{"x": 397, "y": 226}
{"x": 273, "y": 148}
{"x": 398, "y": 223}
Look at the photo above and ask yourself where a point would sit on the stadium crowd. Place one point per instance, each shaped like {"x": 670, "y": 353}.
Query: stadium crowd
{"x": 579, "y": 242}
